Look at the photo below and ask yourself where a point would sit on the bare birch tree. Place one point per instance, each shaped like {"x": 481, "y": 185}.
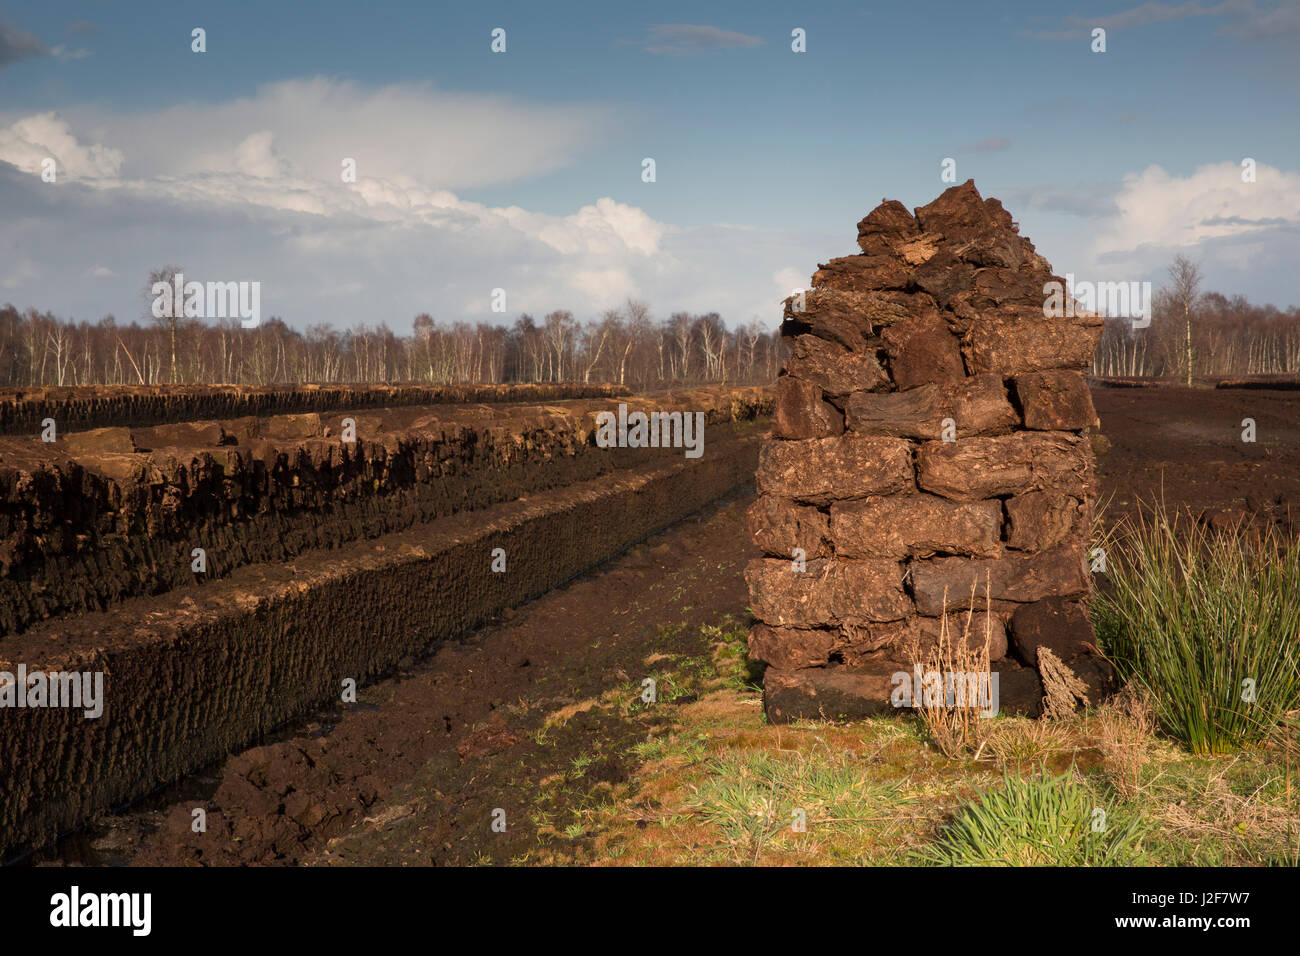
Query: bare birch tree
{"x": 1186, "y": 276}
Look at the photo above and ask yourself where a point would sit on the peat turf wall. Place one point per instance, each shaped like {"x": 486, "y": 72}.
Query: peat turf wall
{"x": 930, "y": 455}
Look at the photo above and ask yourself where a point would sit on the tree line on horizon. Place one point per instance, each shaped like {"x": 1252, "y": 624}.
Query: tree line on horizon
{"x": 1195, "y": 334}
{"x": 626, "y": 346}
{"x": 1192, "y": 334}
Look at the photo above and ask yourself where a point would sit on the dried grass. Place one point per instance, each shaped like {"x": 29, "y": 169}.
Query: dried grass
{"x": 953, "y": 721}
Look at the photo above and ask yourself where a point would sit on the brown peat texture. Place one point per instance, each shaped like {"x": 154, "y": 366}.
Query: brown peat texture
{"x": 930, "y": 442}
{"x": 332, "y": 545}
{"x": 81, "y": 407}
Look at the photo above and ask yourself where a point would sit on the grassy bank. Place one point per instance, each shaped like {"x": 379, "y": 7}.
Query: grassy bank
{"x": 712, "y": 783}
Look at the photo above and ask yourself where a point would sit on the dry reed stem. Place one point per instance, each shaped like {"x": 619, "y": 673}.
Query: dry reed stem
{"x": 954, "y": 725}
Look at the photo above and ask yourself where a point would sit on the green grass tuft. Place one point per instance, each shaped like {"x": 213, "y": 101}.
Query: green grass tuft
{"x": 1204, "y": 621}
{"x": 1039, "y": 821}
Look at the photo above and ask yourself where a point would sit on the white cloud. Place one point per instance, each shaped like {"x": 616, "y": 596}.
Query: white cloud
{"x": 28, "y": 142}
{"x": 271, "y": 169}
{"x": 278, "y": 167}
{"x": 251, "y": 190}
{"x": 788, "y": 279}
{"x": 1246, "y": 236}
{"x": 255, "y": 156}
{"x": 608, "y": 226}
{"x": 610, "y": 285}
{"x": 408, "y": 133}
{"x": 1157, "y": 209}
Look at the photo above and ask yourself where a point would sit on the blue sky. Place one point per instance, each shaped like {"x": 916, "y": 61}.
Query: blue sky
{"x": 522, "y": 170}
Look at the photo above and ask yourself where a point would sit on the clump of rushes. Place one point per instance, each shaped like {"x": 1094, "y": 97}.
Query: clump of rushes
{"x": 1043, "y": 820}
{"x": 1208, "y": 622}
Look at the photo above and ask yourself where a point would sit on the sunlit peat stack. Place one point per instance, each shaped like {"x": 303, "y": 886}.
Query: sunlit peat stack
{"x": 928, "y": 456}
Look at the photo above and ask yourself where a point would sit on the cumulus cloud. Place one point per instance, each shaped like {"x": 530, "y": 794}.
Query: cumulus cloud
{"x": 406, "y": 132}
{"x": 28, "y": 142}
{"x": 285, "y": 148}
{"x": 601, "y": 228}
{"x": 1170, "y": 212}
{"x": 255, "y": 156}
{"x": 1245, "y": 235}
{"x": 251, "y": 189}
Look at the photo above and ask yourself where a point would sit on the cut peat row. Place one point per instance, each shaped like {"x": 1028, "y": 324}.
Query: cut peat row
{"x": 96, "y": 517}
{"x": 76, "y": 407}
{"x": 201, "y": 671}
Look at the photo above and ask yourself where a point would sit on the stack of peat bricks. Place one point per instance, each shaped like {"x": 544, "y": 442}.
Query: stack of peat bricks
{"x": 930, "y": 456}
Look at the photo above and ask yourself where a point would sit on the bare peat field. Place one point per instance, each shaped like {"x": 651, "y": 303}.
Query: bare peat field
{"x": 531, "y": 739}
{"x": 1187, "y": 443}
